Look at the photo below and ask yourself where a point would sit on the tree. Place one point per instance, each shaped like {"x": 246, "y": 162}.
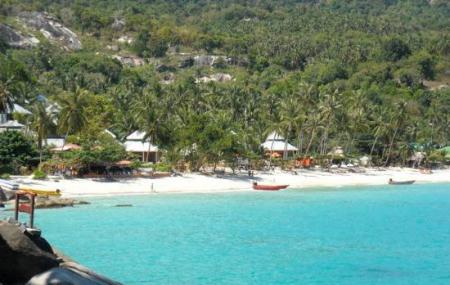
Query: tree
{"x": 6, "y": 101}
{"x": 15, "y": 150}
{"x": 395, "y": 49}
{"x": 72, "y": 116}
{"x": 148, "y": 116}
{"x": 41, "y": 124}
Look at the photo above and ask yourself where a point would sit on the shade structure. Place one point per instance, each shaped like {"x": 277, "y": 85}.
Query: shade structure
{"x": 278, "y": 146}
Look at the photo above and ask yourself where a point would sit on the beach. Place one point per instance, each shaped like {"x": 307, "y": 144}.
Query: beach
{"x": 202, "y": 183}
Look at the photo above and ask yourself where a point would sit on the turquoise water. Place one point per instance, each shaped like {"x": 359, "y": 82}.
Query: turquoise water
{"x": 370, "y": 235}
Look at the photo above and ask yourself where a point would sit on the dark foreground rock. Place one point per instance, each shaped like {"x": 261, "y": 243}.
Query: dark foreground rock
{"x": 70, "y": 273}
{"x": 28, "y": 259}
{"x": 22, "y": 257}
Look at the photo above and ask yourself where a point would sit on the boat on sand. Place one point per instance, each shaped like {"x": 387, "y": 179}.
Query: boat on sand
{"x": 257, "y": 186}
{"x": 404, "y": 182}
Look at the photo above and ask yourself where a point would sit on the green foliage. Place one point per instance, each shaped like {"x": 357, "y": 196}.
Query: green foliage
{"x": 15, "y": 149}
{"x": 150, "y": 45}
{"x": 5, "y": 176}
{"x": 334, "y": 73}
{"x": 395, "y": 49}
{"x": 162, "y": 167}
{"x": 39, "y": 174}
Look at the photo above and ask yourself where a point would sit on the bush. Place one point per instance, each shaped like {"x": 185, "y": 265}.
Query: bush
{"x": 162, "y": 167}
{"x": 5, "y": 176}
{"x": 39, "y": 174}
{"x": 136, "y": 164}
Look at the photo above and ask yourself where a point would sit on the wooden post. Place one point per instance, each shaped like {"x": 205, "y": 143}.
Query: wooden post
{"x": 16, "y": 212}
{"x": 32, "y": 210}
{"x": 25, "y": 207}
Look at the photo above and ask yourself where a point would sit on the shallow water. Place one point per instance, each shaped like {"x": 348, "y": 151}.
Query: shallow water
{"x": 351, "y": 235}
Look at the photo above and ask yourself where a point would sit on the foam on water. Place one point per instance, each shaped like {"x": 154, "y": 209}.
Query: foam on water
{"x": 371, "y": 235}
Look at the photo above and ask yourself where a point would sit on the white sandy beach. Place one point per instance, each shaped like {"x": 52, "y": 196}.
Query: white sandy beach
{"x": 198, "y": 183}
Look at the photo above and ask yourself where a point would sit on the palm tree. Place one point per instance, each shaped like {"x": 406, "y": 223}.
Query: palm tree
{"x": 291, "y": 117}
{"x": 329, "y": 107}
{"x": 148, "y": 116}
{"x": 6, "y": 101}
{"x": 378, "y": 127}
{"x": 72, "y": 116}
{"x": 396, "y": 123}
{"x": 41, "y": 124}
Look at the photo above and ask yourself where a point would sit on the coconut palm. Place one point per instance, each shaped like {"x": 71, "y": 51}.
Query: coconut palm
{"x": 147, "y": 114}
{"x": 72, "y": 116}
{"x": 41, "y": 124}
{"x": 6, "y": 101}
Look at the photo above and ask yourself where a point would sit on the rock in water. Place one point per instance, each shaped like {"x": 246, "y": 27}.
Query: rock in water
{"x": 20, "y": 257}
{"x": 43, "y": 202}
{"x": 71, "y": 273}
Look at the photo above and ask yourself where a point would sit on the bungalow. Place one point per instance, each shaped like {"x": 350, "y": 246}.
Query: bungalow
{"x": 276, "y": 144}
{"x": 136, "y": 144}
{"x": 11, "y": 126}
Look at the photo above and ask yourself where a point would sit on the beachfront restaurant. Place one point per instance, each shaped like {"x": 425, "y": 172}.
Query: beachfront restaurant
{"x": 275, "y": 145}
{"x": 144, "y": 149}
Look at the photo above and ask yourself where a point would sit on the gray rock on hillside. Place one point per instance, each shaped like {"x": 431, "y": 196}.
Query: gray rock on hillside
{"x": 209, "y": 60}
{"x": 51, "y": 29}
{"x": 16, "y": 39}
{"x": 20, "y": 256}
{"x": 218, "y": 77}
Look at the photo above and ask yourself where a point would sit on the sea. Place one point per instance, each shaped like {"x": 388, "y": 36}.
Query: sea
{"x": 348, "y": 235}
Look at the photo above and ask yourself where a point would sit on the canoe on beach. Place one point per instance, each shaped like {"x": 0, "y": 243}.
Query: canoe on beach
{"x": 404, "y": 182}
{"x": 257, "y": 186}
{"x": 42, "y": 192}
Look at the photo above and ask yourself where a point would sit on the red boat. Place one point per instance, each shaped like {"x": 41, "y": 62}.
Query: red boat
{"x": 256, "y": 186}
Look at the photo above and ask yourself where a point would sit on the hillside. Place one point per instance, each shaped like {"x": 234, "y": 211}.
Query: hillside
{"x": 370, "y": 76}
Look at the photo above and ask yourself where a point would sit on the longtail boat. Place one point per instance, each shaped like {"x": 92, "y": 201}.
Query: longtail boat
{"x": 405, "y": 182}
{"x": 42, "y": 192}
{"x": 257, "y": 186}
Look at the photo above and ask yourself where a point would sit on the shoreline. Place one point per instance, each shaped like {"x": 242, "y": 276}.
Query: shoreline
{"x": 200, "y": 183}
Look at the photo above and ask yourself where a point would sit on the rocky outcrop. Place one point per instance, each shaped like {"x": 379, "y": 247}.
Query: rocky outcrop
{"x": 21, "y": 257}
{"x": 168, "y": 78}
{"x": 165, "y": 68}
{"x": 70, "y": 273}
{"x": 218, "y": 77}
{"x": 29, "y": 259}
{"x": 54, "y": 202}
{"x": 125, "y": 39}
{"x": 129, "y": 60}
{"x": 118, "y": 24}
{"x": 51, "y": 29}
{"x": 210, "y": 60}
{"x": 186, "y": 62}
{"x": 16, "y": 39}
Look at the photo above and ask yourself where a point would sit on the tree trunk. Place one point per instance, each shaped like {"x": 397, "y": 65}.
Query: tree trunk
{"x": 313, "y": 133}
{"x": 390, "y": 147}
{"x": 373, "y": 148}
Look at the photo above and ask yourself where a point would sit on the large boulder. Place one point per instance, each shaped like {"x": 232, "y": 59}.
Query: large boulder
{"x": 71, "y": 273}
{"x": 22, "y": 256}
{"x": 15, "y": 38}
{"x": 52, "y": 29}
{"x": 217, "y": 77}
